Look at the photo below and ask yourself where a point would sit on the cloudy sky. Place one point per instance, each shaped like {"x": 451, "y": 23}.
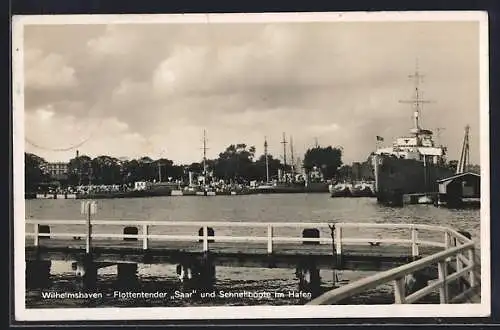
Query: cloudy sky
{"x": 133, "y": 90}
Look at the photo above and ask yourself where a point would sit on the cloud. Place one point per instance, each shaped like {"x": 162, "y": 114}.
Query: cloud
{"x": 114, "y": 42}
{"x": 166, "y": 83}
{"x": 328, "y": 128}
{"x": 47, "y": 71}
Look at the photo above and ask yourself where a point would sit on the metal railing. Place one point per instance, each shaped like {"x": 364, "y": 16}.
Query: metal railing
{"x": 458, "y": 249}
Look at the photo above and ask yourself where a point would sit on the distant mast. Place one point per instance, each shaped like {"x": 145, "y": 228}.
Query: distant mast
{"x": 417, "y": 102}
{"x": 204, "y": 156}
{"x": 267, "y": 161}
{"x": 284, "y": 143}
{"x": 291, "y": 155}
{"x": 464, "y": 163}
{"x": 159, "y": 171}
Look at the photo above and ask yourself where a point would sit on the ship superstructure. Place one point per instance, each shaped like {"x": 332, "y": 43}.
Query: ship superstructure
{"x": 414, "y": 162}
{"x": 419, "y": 144}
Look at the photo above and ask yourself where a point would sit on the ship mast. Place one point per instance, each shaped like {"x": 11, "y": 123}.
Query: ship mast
{"x": 291, "y": 155}
{"x": 417, "y": 102}
{"x": 159, "y": 171}
{"x": 284, "y": 143}
{"x": 464, "y": 163}
{"x": 267, "y": 161}
{"x": 204, "y": 156}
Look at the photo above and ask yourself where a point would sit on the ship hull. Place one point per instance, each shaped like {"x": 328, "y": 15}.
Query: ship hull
{"x": 395, "y": 177}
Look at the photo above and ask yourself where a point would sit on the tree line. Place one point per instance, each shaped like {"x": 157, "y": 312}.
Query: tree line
{"x": 237, "y": 163}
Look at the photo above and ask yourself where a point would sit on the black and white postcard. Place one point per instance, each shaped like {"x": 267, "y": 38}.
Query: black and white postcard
{"x": 243, "y": 166}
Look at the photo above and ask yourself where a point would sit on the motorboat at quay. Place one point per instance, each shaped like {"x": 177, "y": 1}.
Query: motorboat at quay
{"x": 355, "y": 189}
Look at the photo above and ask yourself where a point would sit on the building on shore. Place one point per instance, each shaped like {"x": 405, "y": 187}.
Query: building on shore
{"x": 57, "y": 170}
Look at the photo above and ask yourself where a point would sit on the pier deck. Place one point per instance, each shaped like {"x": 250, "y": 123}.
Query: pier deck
{"x": 395, "y": 250}
{"x": 359, "y": 257}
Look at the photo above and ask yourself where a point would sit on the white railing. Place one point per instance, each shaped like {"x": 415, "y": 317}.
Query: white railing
{"x": 459, "y": 249}
{"x": 338, "y": 237}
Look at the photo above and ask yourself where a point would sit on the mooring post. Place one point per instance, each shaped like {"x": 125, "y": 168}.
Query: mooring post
{"x": 198, "y": 274}
{"x": 127, "y": 272}
{"x": 334, "y": 265}
{"x": 206, "y": 274}
{"x": 127, "y": 275}
{"x": 37, "y": 273}
{"x": 86, "y": 271}
{"x": 309, "y": 277}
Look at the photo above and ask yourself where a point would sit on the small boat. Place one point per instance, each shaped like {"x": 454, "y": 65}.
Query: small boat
{"x": 362, "y": 189}
{"x": 341, "y": 190}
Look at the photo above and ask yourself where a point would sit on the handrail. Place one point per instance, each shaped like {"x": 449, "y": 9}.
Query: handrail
{"x": 398, "y": 275}
{"x": 456, "y": 246}
{"x": 244, "y": 224}
{"x": 338, "y": 240}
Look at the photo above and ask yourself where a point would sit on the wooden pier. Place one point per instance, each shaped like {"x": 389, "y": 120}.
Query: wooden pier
{"x": 197, "y": 248}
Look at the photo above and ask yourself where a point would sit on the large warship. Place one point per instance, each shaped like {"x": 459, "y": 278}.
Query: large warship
{"x": 413, "y": 163}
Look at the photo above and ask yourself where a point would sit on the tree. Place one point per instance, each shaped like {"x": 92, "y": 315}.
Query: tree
{"x": 259, "y": 168}
{"x": 147, "y": 169}
{"x": 34, "y": 173}
{"x": 164, "y": 168}
{"x": 475, "y": 169}
{"x": 79, "y": 170}
{"x": 328, "y": 160}
{"x": 235, "y": 162}
{"x": 105, "y": 170}
{"x": 452, "y": 165}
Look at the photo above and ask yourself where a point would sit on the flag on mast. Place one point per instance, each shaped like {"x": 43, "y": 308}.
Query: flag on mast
{"x": 379, "y": 138}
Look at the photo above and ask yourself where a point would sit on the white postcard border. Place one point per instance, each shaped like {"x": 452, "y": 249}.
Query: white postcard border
{"x": 247, "y": 312}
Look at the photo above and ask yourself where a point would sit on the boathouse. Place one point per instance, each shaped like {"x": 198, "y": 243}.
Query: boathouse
{"x": 459, "y": 189}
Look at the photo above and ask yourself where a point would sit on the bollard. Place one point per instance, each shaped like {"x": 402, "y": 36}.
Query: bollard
{"x": 43, "y": 229}
{"x": 210, "y": 232}
{"x": 310, "y": 233}
{"x": 130, "y": 231}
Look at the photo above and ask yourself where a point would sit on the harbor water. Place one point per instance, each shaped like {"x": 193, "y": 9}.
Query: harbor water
{"x": 262, "y": 286}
